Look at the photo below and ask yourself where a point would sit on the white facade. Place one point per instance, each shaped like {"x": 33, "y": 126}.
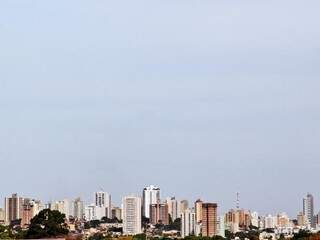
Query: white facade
{"x": 188, "y": 223}
{"x": 100, "y": 212}
{"x": 221, "y": 226}
{"x": 131, "y": 215}
{"x": 182, "y": 206}
{"x": 270, "y": 221}
{"x": 90, "y": 212}
{"x": 151, "y": 195}
{"x": 172, "y": 208}
{"x": 68, "y": 208}
{"x": 37, "y": 207}
{"x": 308, "y": 210}
{"x": 57, "y": 206}
{"x": 255, "y": 219}
{"x": 103, "y": 200}
{"x": 78, "y": 208}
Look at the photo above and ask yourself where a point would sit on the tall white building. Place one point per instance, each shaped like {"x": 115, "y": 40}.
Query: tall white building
{"x": 188, "y": 222}
{"x": 270, "y": 221}
{"x": 182, "y": 206}
{"x": 90, "y": 212}
{"x": 172, "y": 208}
{"x": 308, "y": 210}
{"x": 222, "y": 226}
{"x": 78, "y": 208}
{"x": 151, "y": 195}
{"x": 68, "y": 208}
{"x": 37, "y": 206}
{"x": 255, "y": 219}
{"x": 131, "y": 215}
{"x": 103, "y": 203}
{"x": 58, "y": 206}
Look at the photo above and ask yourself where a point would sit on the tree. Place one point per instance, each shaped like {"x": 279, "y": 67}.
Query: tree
{"x": 92, "y": 224}
{"x": 5, "y": 232}
{"x": 47, "y": 224}
{"x": 145, "y": 221}
{"x": 303, "y": 234}
{"x": 229, "y": 234}
{"x": 141, "y": 236}
{"x": 176, "y": 225}
{"x": 110, "y": 220}
{"x": 98, "y": 236}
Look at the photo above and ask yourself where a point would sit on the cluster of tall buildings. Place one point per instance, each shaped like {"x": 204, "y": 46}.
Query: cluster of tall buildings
{"x": 19, "y": 209}
{"x": 199, "y": 218}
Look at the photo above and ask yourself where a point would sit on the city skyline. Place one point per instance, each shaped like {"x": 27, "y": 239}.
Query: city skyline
{"x": 302, "y": 208}
{"x": 200, "y": 218}
{"x": 203, "y": 99}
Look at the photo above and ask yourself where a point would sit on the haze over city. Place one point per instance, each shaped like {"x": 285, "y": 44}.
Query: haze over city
{"x": 201, "y": 98}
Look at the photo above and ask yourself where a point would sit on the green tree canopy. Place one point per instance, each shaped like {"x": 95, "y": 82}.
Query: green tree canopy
{"x": 47, "y": 224}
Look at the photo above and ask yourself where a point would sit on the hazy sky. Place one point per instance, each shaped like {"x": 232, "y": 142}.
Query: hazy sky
{"x": 203, "y": 98}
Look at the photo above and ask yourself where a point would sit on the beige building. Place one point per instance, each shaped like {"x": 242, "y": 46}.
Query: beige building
{"x": 283, "y": 220}
{"x": 172, "y": 207}
{"x": 183, "y": 205}
{"x": 237, "y": 220}
{"x": 301, "y": 220}
{"x": 13, "y": 208}
{"x": 116, "y": 213}
{"x": 2, "y": 216}
{"x": 198, "y": 210}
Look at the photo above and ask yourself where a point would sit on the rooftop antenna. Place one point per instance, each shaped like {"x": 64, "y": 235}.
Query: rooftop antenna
{"x": 238, "y": 200}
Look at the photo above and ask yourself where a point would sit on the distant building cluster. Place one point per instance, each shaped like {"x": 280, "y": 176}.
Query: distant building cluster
{"x": 152, "y": 215}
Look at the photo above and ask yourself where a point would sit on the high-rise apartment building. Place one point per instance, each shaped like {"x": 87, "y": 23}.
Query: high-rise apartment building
{"x": 238, "y": 219}
{"x": 117, "y": 213}
{"x": 90, "y": 213}
{"x": 27, "y": 212}
{"x": 172, "y": 208}
{"x": 131, "y": 215}
{"x": 209, "y": 219}
{"x": 255, "y": 219}
{"x": 58, "y": 206}
{"x": 270, "y": 221}
{"x": 37, "y": 207}
{"x": 78, "y": 208}
{"x": 301, "y": 219}
{"x": 283, "y": 220}
{"x": 13, "y": 208}
{"x": 2, "y": 216}
{"x": 150, "y": 195}
{"x": 67, "y": 208}
{"x": 183, "y": 205}
{"x": 159, "y": 214}
{"x": 308, "y": 210}
{"x": 221, "y": 226}
{"x": 188, "y": 223}
{"x": 198, "y": 210}
{"x": 103, "y": 204}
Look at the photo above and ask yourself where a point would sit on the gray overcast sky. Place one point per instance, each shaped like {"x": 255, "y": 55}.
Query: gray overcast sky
{"x": 202, "y": 98}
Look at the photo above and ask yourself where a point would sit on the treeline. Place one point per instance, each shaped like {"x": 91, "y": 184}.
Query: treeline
{"x": 96, "y": 223}
{"x": 47, "y": 224}
{"x": 251, "y": 235}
